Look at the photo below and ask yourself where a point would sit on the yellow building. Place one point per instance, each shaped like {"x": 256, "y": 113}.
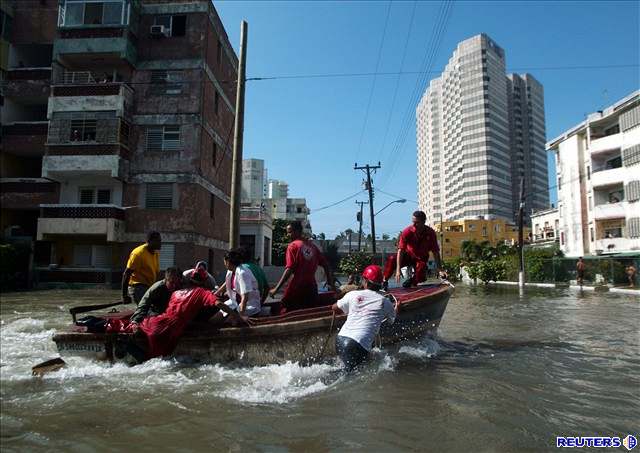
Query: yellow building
{"x": 496, "y": 231}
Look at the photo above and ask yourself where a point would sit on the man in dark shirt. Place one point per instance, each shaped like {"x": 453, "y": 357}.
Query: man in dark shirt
{"x": 414, "y": 245}
{"x": 155, "y": 300}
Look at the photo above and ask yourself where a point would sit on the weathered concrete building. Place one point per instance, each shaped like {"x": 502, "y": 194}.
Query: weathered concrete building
{"x": 140, "y": 103}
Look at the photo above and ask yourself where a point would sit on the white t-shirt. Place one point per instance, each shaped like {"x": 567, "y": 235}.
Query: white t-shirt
{"x": 365, "y": 311}
{"x": 245, "y": 283}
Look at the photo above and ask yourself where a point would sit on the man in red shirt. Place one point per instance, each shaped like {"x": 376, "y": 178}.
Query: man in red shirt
{"x": 301, "y": 261}
{"x": 414, "y": 244}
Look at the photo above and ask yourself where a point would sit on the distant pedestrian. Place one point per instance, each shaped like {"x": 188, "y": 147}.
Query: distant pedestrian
{"x": 580, "y": 266}
{"x": 631, "y": 275}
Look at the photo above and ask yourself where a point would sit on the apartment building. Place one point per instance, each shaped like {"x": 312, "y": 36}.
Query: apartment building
{"x": 545, "y": 227}
{"x": 254, "y": 180}
{"x": 479, "y": 131}
{"x": 598, "y": 177}
{"x": 139, "y": 102}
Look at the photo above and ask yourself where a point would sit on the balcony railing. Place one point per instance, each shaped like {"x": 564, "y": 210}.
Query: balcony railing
{"x": 81, "y": 211}
{"x": 609, "y": 211}
{"x": 607, "y": 143}
{"x": 105, "y": 131}
{"x": 254, "y": 214}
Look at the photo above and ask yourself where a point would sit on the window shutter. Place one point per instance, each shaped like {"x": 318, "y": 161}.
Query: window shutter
{"x": 171, "y": 138}
{"x": 86, "y": 196}
{"x": 104, "y": 196}
{"x": 634, "y": 227}
{"x": 167, "y": 256}
{"x": 154, "y": 138}
{"x": 102, "y": 256}
{"x": 82, "y": 255}
{"x": 159, "y": 196}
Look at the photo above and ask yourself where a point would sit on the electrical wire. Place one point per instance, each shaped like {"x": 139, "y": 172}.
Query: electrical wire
{"x": 373, "y": 85}
{"x": 337, "y": 202}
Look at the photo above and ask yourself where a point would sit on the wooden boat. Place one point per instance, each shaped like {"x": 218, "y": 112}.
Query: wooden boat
{"x": 299, "y": 336}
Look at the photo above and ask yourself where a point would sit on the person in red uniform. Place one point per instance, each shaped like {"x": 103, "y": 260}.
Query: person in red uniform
{"x": 414, "y": 245}
{"x": 301, "y": 260}
{"x": 160, "y": 334}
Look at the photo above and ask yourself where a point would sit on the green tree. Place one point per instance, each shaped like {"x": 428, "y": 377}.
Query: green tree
{"x": 280, "y": 241}
{"x": 354, "y": 263}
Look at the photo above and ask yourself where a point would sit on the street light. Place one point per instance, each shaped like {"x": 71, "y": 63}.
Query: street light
{"x": 402, "y": 200}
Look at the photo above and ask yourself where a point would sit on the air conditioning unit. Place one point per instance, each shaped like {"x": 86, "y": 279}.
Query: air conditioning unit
{"x": 159, "y": 31}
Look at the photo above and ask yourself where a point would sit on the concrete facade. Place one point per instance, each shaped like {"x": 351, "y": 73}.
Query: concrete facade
{"x": 478, "y": 132}
{"x": 254, "y": 180}
{"x": 136, "y": 138}
{"x": 598, "y": 168}
{"x": 545, "y": 227}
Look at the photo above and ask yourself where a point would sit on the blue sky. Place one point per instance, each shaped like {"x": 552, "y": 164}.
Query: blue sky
{"x": 311, "y": 131}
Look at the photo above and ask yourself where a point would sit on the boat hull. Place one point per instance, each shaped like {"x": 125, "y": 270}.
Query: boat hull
{"x": 306, "y": 336}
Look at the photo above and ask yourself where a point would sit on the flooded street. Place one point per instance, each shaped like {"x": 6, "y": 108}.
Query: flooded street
{"x": 508, "y": 373}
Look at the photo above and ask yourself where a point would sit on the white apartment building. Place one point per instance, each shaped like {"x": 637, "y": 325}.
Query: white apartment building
{"x": 478, "y": 132}
{"x": 277, "y": 189}
{"x": 598, "y": 176}
{"x": 254, "y": 180}
{"x": 545, "y": 227}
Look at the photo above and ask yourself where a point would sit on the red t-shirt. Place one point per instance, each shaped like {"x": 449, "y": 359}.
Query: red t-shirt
{"x": 303, "y": 258}
{"x": 164, "y": 331}
{"x": 418, "y": 245}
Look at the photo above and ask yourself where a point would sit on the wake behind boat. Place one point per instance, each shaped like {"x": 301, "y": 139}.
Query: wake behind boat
{"x": 305, "y": 335}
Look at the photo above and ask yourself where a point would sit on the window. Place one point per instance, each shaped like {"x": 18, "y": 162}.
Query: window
{"x": 159, "y": 196}
{"x": 87, "y": 255}
{"x": 214, "y": 154}
{"x": 212, "y": 206}
{"x": 591, "y": 234}
{"x": 216, "y": 103}
{"x": 163, "y": 138}
{"x": 219, "y": 52}
{"x": 588, "y": 172}
{"x": 92, "y": 195}
{"x": 174, "y": 25}
{"x": 472, "y": 227}
{"x": 590, "y": 203}
{"x": 166, "y": 82}
{"x": 79, "y": 12}
{"x": 83, "y": 130}
{"x": 484, "y": 230}
{"x": 167, "y": 256}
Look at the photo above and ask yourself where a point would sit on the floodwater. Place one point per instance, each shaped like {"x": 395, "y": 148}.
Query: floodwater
{"x": 507, "y": 373}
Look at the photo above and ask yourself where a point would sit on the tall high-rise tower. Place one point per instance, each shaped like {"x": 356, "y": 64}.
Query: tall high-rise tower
{"x": 475, "y": 137}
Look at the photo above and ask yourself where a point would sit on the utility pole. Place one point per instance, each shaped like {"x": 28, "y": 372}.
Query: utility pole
{"x": 367, "y": 169}
{"x": 441, "y": 239}
{"x": 521, "y": 234}
{"x": 359, "y": 218}
{"x": 236, "y": 169}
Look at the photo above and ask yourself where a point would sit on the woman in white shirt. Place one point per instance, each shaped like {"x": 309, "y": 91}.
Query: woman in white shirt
{"x": 241, "y": 286}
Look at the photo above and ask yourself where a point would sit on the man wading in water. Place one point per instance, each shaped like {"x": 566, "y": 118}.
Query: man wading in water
{"x": 366, "y": 309}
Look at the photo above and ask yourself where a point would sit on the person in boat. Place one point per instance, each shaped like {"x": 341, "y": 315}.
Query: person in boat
{"x": 351, "y": 285}
{"x": 414, "y": 245}
{"x": 142, "y": 269}
{"x": 156, "y": 299}
{"x": 301, "y": 261}
{"x": 249, "y": 263}
{"x": 200, "y": 276}
{"x": 240, "y": 286}
{"x": 366, "y": 309}
{"x": 158, "y": 336}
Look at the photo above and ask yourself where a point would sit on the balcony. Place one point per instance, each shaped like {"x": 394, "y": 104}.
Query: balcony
{"x": 27, "y": 193}
{"x": 81, "y": 219}
{"x": 617, "y": 245}
{"x": 609, "y": 211}
{"x": 607, "y": 177}
{"x": 28, "y": 85}
{"x": 25, "y": 138}
{"x": 254, "y": 214}
{"x": 107, "y": 44}
{"x": 75, "y": 93}
{"x": 608, "y": 143}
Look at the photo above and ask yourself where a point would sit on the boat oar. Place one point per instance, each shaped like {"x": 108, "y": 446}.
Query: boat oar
{"x": 77, "y": 310}
{"x": 48, "y": 366}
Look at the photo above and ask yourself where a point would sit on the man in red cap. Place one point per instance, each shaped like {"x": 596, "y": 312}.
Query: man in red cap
{"x": 366, "y": 309}
{"x": 302, "y": 260}
{"x": 414, "y": 244}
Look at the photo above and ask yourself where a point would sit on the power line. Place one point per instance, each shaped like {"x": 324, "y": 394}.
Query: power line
{"x": 396, "y": 196}
{"x": 395, "y": 73}
{"x": 373, "y": 85}
{"x": 337, "y": 202}
{"x": 395, "y": 91}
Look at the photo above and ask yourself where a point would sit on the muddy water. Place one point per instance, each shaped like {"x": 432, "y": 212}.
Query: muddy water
{"x": 508, "y": 373}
